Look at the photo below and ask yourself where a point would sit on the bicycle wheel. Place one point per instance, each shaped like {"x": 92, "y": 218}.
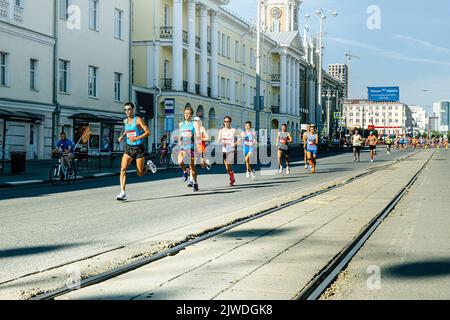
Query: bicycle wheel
{"x": 71, "y": 176}
{"x": 55, "y": 177}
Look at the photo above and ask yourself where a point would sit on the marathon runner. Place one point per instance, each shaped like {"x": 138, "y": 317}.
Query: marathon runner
{"x": 283, "y": 140}
{"x": 188, "y": 133}
{"x": 135, "y": 131}
{"x": 388, "y": 144}
{"x": 304, "y": 139}
{"x": 249, "y": 141}
{"x": 312, "y": 145}
{"x": 372, "y": 140}
{"x": 357, "y": 142}
{"x": 200, "y": 151}
{"x": 229, "y": 138}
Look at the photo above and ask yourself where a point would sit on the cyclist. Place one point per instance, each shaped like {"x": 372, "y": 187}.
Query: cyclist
{"x": 67, "y": 148}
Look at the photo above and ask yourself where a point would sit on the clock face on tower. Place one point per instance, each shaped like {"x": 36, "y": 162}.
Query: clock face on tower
{"x": 276, "y": 13}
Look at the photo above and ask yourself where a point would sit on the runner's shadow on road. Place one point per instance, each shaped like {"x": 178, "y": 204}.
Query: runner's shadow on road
{"x": 423, "y": 269}
{"x": 28, "y": 251}
{"x": 252, "y": 186}
{"x": 197, "y": 194}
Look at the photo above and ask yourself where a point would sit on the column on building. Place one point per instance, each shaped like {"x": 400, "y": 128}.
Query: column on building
{"x": 293, "y": 83}
{"x": 214, "y": 55}
{"x": 292, "y": 17}
{"x": 204, "y": 50}
{"x": 297, "y": 88}
{"x": 288, "y": 85}
{"x": 190, "y": 70}
{"x": 283, "y": 82}
{"x": 177, "y": 47}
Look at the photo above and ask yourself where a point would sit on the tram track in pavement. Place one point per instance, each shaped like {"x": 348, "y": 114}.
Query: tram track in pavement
{"x": 326, "y": 277}
{"x": 213, "y": 232}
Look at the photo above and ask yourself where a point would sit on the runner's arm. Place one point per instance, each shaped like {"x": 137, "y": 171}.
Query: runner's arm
{"x": 239, "y": 139}
{"x": 290, "y": 140}
{"x": 141, "y": 123}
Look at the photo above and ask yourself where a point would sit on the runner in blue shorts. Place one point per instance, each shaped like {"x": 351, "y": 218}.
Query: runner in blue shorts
{"x": 312, "y": 143}
{"x": 249, "y": 142}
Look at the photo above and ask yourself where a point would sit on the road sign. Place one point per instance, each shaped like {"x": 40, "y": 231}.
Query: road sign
{"x": 337, "y": 115}
{"x": 169, "y": 106}
{"x": 169, "y": 123}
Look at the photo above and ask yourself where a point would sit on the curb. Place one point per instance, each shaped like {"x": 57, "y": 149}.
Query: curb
{"x": 14, "y": 184}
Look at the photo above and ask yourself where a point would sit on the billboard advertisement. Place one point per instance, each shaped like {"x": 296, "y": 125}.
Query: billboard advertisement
{"x": 377, "y": 94}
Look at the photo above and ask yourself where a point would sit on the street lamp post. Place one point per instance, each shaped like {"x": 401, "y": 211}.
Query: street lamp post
{"x": 321, "y": 15}
{"x": 328, "y": 93}
{"x": 258, "y": 66}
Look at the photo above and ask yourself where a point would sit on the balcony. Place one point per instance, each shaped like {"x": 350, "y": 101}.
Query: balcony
{"x": 275, "y": 109}
{"x": 185, "y": 37}
{"x": 209, "y": 47}
{"x": 4, "y": 9}
{"x": 275, "y": 79}
{"x": 166, "y": 84}
{"x": 166, "y": 33}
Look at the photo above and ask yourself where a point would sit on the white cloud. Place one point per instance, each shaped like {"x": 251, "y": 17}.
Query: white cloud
{"x": 387, "y": 54}
{"x": 425, "y": 44}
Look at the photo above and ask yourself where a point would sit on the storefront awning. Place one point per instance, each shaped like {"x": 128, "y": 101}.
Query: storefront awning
{"x": 21, "y": 116}
{"x": 87, "y": 117}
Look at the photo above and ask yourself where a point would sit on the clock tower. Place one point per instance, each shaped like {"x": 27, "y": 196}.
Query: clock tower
{"x": 280, "y": 15}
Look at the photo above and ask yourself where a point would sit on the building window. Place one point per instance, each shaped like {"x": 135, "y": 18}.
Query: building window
{"x": 228, "y": 89}
{"x": 236, "y": 91}
{"x": 3, "y": 69}
{"x": 132, "y": 70}
{"x": 118, "y": 87}
{"x": 228, "y": 47}
{"x": 118, "y": 24}
{"x": 64, "y": 76}
{"x": 222, "y": 84}
{"x": 33, "y": 74}
{"x": 223, "y": 46}
{"x": 166, "y": 69}
{"x": 219, "y": 42}
{"x": 166, "y": 16}
{"x": 92, "y": 82}
{"x": 244, "y": 54}
{"x": 236, "y": 51}
{"x": 64, "y": 9}
{"x": 93, "y": 14}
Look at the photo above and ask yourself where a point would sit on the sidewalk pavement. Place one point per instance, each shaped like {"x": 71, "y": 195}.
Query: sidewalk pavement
{"x": 38, "y": 171}
{"x": 407, "y": 257}
{"x": 270, "y": 258}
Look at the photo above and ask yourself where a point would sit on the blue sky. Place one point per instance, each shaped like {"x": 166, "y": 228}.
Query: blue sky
{"x": 410, "y": 50}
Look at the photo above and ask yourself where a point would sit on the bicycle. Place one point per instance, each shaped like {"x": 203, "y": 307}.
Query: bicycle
{"x": 59, "y": 172}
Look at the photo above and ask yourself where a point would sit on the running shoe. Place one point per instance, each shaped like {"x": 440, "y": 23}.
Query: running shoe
{"x": 253, "y": 175}
{"x": 288, "y": 171}
{"x": 247, "y": 175}
{"x": 151, "y": 166}
{"x": 208, "y": 164}
{"x": 306, "y": 166}
{"x": 281, "y": 170}
{"x": 186, "y": 176}
{"x": 196, "y": 187}
{"x": 190, "y": 184}
{"x": 122, "y": 196}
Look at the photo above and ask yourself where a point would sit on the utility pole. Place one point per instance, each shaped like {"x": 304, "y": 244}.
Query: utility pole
{"x": 258, "y": 67}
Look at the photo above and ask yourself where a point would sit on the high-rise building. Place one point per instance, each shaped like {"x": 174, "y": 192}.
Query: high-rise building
{"x": 419, "y": 118}
{"x": 441, "y": 110}
{"x": 340, "y": 72}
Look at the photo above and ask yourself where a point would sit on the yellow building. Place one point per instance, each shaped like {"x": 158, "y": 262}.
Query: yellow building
{"x": 198, "y": 53}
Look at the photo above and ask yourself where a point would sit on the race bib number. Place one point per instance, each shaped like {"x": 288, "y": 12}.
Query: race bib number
{"x": 186, "y": 134}
{"x": 131, "y": 133}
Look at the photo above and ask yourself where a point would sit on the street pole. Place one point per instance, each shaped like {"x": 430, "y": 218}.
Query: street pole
{"x": 319, "y": 84}
{"x": 258, "y": 66}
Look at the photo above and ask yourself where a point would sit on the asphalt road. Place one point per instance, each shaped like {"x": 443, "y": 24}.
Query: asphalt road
{"x": 44, "y": 226}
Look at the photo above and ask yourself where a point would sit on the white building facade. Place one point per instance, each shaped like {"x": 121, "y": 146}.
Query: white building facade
{"x": 385, "y": 117}
{"x": 419, "y": 119}
{"x": 67, "y": 64}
